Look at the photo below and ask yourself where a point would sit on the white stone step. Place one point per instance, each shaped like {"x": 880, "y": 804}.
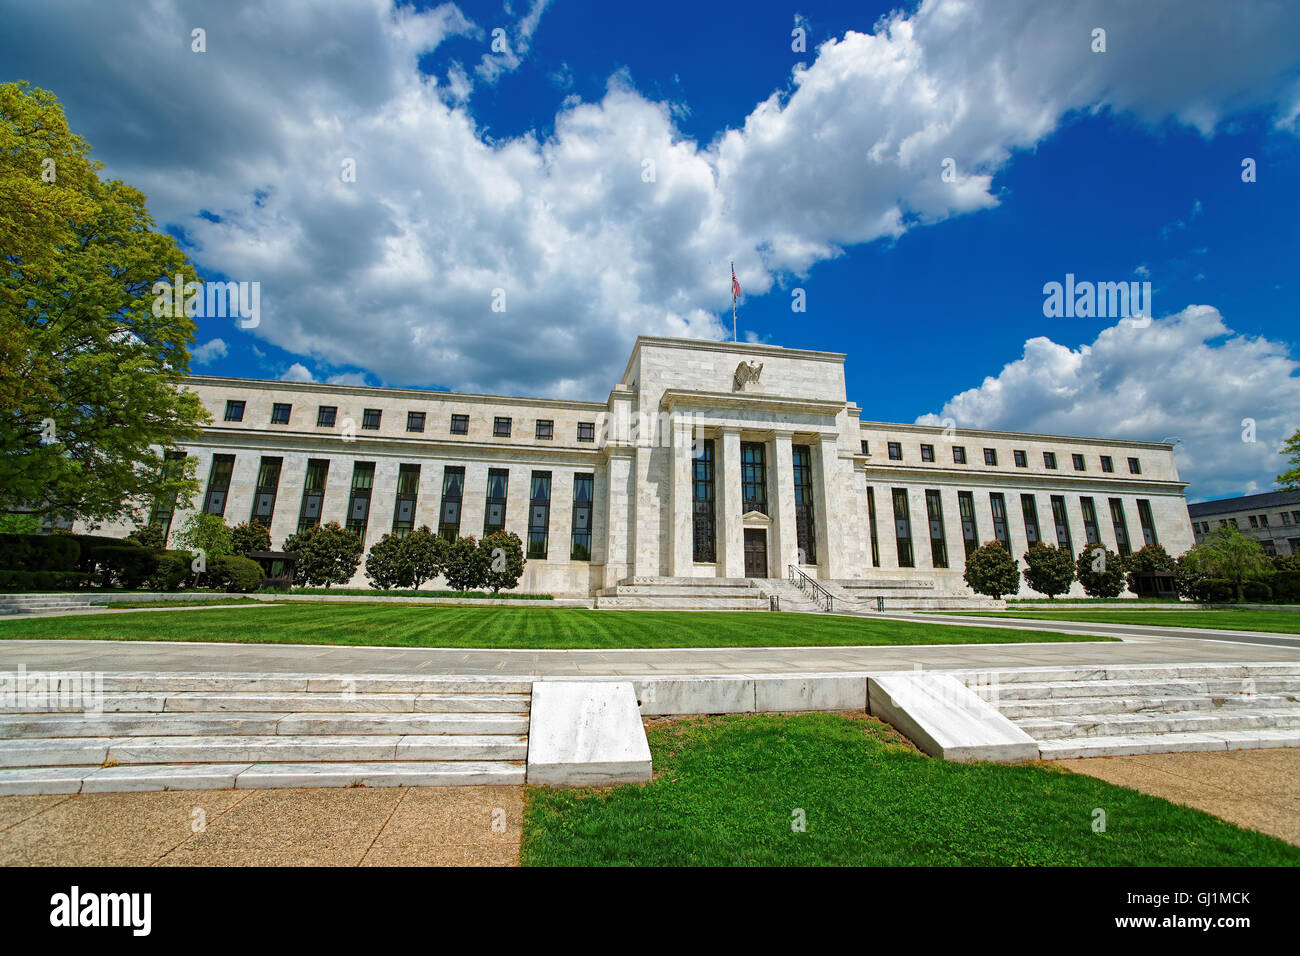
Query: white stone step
{"x": 404, "y": 724}
{"x": 1121, "y": 746}
{"x": 678, "y": 590}
{"x": 154, "y": 682}
{"x": 14, "y": 726}
{"x": 1034, "y": 675}
{"x": 1120, "y": 725}
{"x": 755, "y": 603}
{"x": 253, "y": 702}
{"x": 1114, "y": 704}
{"x": 1175, "y": 687}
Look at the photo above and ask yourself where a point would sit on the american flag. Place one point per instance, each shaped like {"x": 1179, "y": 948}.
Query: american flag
{"x": 735, "y": 286}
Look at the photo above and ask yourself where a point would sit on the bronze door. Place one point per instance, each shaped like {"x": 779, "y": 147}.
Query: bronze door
{"x": 755, "y": 553}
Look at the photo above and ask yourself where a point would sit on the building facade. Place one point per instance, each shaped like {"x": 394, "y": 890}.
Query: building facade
{"x": 707, "y": 460}
{"x": 1272, "y": 518}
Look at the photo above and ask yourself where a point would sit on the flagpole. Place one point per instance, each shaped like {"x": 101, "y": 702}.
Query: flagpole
{"x": 733, "y": 301}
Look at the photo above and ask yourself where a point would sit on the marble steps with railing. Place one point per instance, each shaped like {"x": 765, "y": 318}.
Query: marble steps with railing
{"x": 906, "y": 595}
{"x": 681, "y": 593}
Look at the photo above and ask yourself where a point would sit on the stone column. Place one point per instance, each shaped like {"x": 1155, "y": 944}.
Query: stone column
{"x": 681, "y": 498}
{"x": 785, "y": 538}
{"x": 827, "y": 501}
{"x": 731, "y": 538}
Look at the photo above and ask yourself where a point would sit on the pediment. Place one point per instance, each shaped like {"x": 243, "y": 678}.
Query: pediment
{"x": 755, "y": 517}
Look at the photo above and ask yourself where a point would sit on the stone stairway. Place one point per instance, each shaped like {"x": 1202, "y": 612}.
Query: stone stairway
{"x": 679, "y": 593}
{"x": 191, "y": 731}
{"x": 28, "y": 603}
{"x": 1143, "y": 708}
{"x": 906, "y": 594}
{"x": 790, "y": 596}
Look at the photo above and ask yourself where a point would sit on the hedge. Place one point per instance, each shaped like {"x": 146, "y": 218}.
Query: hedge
{"x": 42, "y": 580}
{"x": 39, "y": 552}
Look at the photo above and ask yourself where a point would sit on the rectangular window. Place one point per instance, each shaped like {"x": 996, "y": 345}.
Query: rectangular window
{"x": 280, "y": 413}
{"x": 927, "y": 453}
{"x": 494, "y": 519}
{"x": 1134, "y": 466}
{"x": 804, "y": 521}
{"x": 586, "y": 431}
{"x": 753, "y": 477}
{"x": 500, "y": 427}
{"x": 1022, "y": 460}
{"x": 325, "y": 416}
{"x": 1062, "y": 523}
{"x": 990, "y": 456}
{"x": 1295, "y": 516}
{"x": 903, "y": 528}
{"x": 866, "y": 449}
{"x": 1049, "y": 459}
{"x": 583, "y": 491}
{"x": 539, "y": 514}
{"x": 969, "y": 533}
{"x": 1107, "y": 464}
{"x": 1254, "y": 522}
{"x": 363, "y": 482}
{"x": 1121, "y": 526}
{"x": 1029, "y": 508}
{"x": 370, "y": 418}
{"x": 703, "y": 542}
{"x": 998, "y": 505}
{"x": 1286, "y": 518}
{"x": 1078, "y": 462}
{"x": 164, "y": 508}
{"x": 934, "y": 513}
{"x": 895, "y": 451}
{"x": 453, "y": 489}
{"x": 234, "y": 411}
{"x": 415, "y": 421}
{"x": 1147, "y": 522}
{"x": 214, "y": 502}
{"x": 871, "y": 523}
{"x": 1263, "y": 521}
{"x": 1089, "y": 520}
{"x": 313, "y": 493}
{"x": 958, "y": 455}
{"x": 460, "y": 424}
{"x": 408, "y": 488}
{"x": 545, "y": 429}
{"x": 268, "y": 481}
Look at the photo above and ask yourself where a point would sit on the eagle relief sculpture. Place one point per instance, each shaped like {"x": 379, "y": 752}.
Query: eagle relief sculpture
{"x": 747, "y": 372}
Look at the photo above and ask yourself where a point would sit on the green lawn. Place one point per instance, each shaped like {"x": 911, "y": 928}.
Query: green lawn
{"x": 398, "y": 625}
{"x": 727, "y": 789}
{"x": 1229, "y": 618}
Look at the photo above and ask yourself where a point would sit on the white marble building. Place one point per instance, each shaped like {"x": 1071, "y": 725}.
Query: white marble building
{"x": 708, "y": 460}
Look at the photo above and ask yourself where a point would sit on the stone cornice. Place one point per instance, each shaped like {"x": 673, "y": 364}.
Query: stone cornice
{"x": 690, "y": 398}
{"x": 1074, "y": 484}
{"x": 958, "y": 433}
{"x": 416, "y": 449}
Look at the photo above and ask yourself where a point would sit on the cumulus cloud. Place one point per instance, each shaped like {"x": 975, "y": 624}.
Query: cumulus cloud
{"x": 208, "y": 352}
{"x": 297, "y": 372}
{"x": 1187, "y": 376}
{"x": 399, "y": 270}
{"x": 516, "y": 45}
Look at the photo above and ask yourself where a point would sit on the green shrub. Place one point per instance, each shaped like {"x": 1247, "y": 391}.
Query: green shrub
{"x": 173, "y": 571}
{"x": 245, "y": 538}
{"x": 123, "y": 564}
{"x": 1286, "y": 587}
{"x": 1100, "y": 571}
{"x": 42, "y": 580}
{"x": 504, "y": 555}
{"x": 326, "y": 554}
{"x": 39, "y": 552}
{"x": 991, "y": 570}
{"x": 150, "y": 536}
{"x": 1049, "y": 570}
{"x": 234, "y": 573}
{"x": 388, "y": 564}
{"x": 465, "y": 565}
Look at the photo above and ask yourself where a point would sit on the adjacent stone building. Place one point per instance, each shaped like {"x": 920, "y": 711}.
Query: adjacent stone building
{"x": 1272, "y": 518}
{"x": 709, "y": 460}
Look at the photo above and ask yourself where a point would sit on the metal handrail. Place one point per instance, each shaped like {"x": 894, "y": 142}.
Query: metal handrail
{"x": 814, "y": 590}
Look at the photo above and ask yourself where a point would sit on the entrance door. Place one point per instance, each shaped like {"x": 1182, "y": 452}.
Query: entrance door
{"x": 755, "y": 553}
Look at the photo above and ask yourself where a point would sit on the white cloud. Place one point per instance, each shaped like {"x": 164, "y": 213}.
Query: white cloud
{"x": 297, "y": 372}
{"x": 1187, "y": 376}
{"x": 208, "y": 352}
{"x": 396, "y": 271}
{"x": 518, "y": 41}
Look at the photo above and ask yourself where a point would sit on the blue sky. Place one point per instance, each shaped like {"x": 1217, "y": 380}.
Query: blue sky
{"x": 524, "y": 172}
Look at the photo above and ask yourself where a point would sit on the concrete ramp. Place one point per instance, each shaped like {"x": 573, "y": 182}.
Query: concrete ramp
{"x": 939, "y": 714}
{"x": 586, "y": 734}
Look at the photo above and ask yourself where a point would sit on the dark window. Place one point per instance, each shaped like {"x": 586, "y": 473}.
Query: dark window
{"x": 234, "y": 411}
{"x": 903, "y": 528}
{"x": 268, "y": 481}
{"x": 871, "y": 520}
{"x": 313, "y": 493}
{"x": 539, "y": 514}
{"x": 325, "y": 416}
{"x": 164, "y": 508}
{"x": 1062, "y": 523}
{"x": 895, "y": 451}
{"x": 1121, "y": 526}
{"x": 214, "y": 502}
{"x": 363, "y": 481}
{"x": 753, "y": 477}
{"x": 1147, "y": 522}
{"x": 545, "y": 429}
{"x": 280, "y": 413}
{"x": 1089, "y": 520}
{"x": 408, "y": 488}
{"x": 866, "y": 449}
{"x": 990, "y": 456}
{"x": 1134, "y": 466}
{"x": 586, "y": 431}
{"x": 1107, "y": 463}
{"x": 1022, "y": 461}
{"x": 1049, "y": 459}
{"x": 453, "y": 488}
{"x": 703, "y": 540}
{"x": 1254, "y": 522}
{"x": 1029, "y": 508}
{"x": 583, "y": 491}
{"x": 969, "y": 533}
{"x": 460, "y": 424}
{"x": 501, "y": 427}
{"x": 494, "y": 519}
{"x": 958, "y": 455}
{"x": 370, "y": 418}
{"x": 804, "y": 521}
{"x": 927, "y": 453}
{"x": 1078, "y": 462}
{"x": 934, "y": 514}
{"x": 415, "y": 421}
{"x": 998, "y": 505}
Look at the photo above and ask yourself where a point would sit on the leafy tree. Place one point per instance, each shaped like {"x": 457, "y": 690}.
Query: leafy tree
{"x": 247, "y": 537}
{"x": 426, "y": 551}
{"x": 1287, "y": 562}
{"x": 1230, "y": 555}
{"x": 90, "y": 377}
{"x": 1100, "y": 571}
{"x": 19, "y": 524}
{"x": 150, "y": 535}
{"x": 1151, "y": 559}
{"x": 1290, "y": 479}
{"x": 505, "y": 559}
{"x": 206, "y": 533}
{"x": 388, "y": 563}
{"x": 1048, "y": 570}
{"x": 1191, "y": 581}
{"x": 465, "y": 565}
{"x": 326, "y": 554}
{"x": 991, "y": 570}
